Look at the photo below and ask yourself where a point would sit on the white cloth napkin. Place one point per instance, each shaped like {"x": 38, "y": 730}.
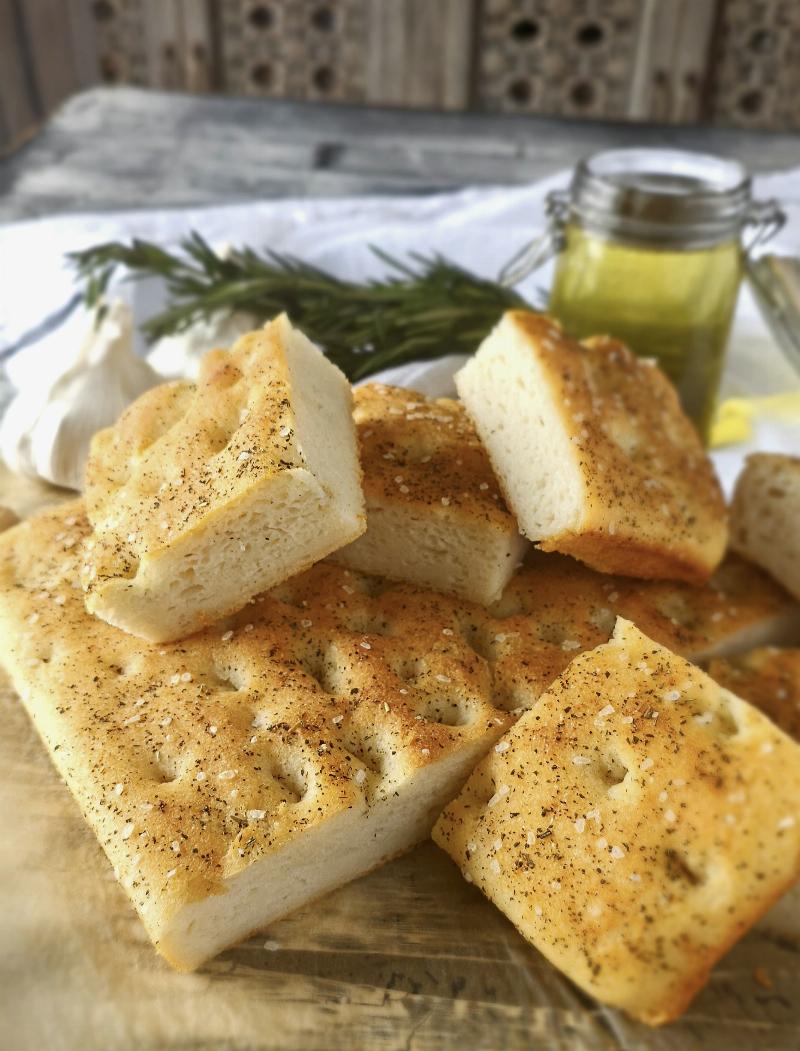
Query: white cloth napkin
{"x": 478, "y": 228}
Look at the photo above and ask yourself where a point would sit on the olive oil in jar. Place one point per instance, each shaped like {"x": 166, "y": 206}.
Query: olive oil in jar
{"x": 650, "y": 244}
{"x": 672, "y": 305}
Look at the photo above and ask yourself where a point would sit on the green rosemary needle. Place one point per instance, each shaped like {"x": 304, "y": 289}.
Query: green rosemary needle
{"x": 424, "y": 309}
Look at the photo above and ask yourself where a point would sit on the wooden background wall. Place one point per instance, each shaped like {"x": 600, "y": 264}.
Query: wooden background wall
{"x": 719, "y": 61}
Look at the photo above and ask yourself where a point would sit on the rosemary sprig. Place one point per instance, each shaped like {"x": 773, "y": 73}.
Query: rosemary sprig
{"x": 425, "y": 309}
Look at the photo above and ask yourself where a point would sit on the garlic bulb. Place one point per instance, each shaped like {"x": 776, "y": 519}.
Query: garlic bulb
{"x": 48, "y": 426}
{"x": 178, "y": 356}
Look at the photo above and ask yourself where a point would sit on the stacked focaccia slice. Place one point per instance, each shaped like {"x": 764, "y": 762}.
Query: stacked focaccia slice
{"x": 633, "y": 824}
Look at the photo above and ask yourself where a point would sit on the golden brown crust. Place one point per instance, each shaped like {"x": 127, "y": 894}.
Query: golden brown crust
{"x": 193, "y": 759}
{"x": 563, "y": 601}
{"x": 413, "y": 674}
{"x": 633, "y": 824}
{"x": 653, "y": 506}
{"x": 202, "y": 495}
{"x": 425, "y": 454}
{"x": 767, "y": 677}
{"x": 181, "y": 451}
{"x": 633, "y": 558}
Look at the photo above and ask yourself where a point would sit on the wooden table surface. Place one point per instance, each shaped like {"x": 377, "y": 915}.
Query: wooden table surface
{"x": 410, "y": 957}
{"x": 127, "y": 148}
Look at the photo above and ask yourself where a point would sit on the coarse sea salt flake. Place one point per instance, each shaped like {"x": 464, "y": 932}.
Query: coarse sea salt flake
{"x": 502, "y": 746}
{"x": 502, "y": 791}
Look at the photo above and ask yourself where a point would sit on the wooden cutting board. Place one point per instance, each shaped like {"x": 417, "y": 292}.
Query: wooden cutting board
{"x": 410, "y": 958}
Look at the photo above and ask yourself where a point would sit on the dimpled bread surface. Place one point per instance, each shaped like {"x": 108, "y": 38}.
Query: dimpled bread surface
{"x": 767, "y": 677}
{"x": 235, "y": 775}
{"x": 633, "y": 824}
{"x": 435, "y": 515}
{"x": 593, "y": 452}
{"x": 332, "y": 718}
{"x": 765, "y": 516}
{"x": 202, "y": 495}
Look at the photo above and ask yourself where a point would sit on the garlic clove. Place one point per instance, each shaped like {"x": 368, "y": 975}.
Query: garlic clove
{"x": 178, "y": 356}
{"x": 48, "y": 427}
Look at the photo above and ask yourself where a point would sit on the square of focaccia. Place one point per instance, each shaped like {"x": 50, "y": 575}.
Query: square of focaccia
{"x": 201, "y": 496}
{"x": 257, "y": 765}
{"x": 633, "y": 824}
{"x": 593, "y": 452}
{"x": 435, "y": 515}
{"x": 767, "y": 677}
{"x": 765, "y": 516}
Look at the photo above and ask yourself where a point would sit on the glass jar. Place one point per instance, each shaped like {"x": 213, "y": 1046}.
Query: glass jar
{"x": 651, "y": 251}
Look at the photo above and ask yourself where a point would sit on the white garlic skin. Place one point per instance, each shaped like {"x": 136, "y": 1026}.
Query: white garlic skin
{"x": 48, "y": 426}
{"x": 178, "y": 356}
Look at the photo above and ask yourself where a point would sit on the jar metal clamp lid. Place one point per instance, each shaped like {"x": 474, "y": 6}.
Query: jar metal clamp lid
{"x": 657, "y": 198}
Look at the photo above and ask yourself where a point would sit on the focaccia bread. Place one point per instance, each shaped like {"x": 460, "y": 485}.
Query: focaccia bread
{"x": 593, "y": 452}
{"x": 203, "y": 495}
{"x": 435, "y": 515}
{"x": 633, "y": 825}
{"x": 765, "y": 516}
{"x": 234, "y": 776}
{"x": 333, "y": 678}
{"x": 767, "y": 677}
{"x": 554, "y": 607}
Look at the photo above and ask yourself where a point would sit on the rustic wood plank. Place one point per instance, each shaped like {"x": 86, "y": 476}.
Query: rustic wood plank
{"x": 670, "y": 68}
{"x": 49, "y": 40}
{"x": 18, "y": 111}
{"x": 125, "y": 147}
{"x": 197, "y": 45}
{"x": 83, "y": 42}
{"x": 420, "y": 54}
{"x": 161, "y": 23}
